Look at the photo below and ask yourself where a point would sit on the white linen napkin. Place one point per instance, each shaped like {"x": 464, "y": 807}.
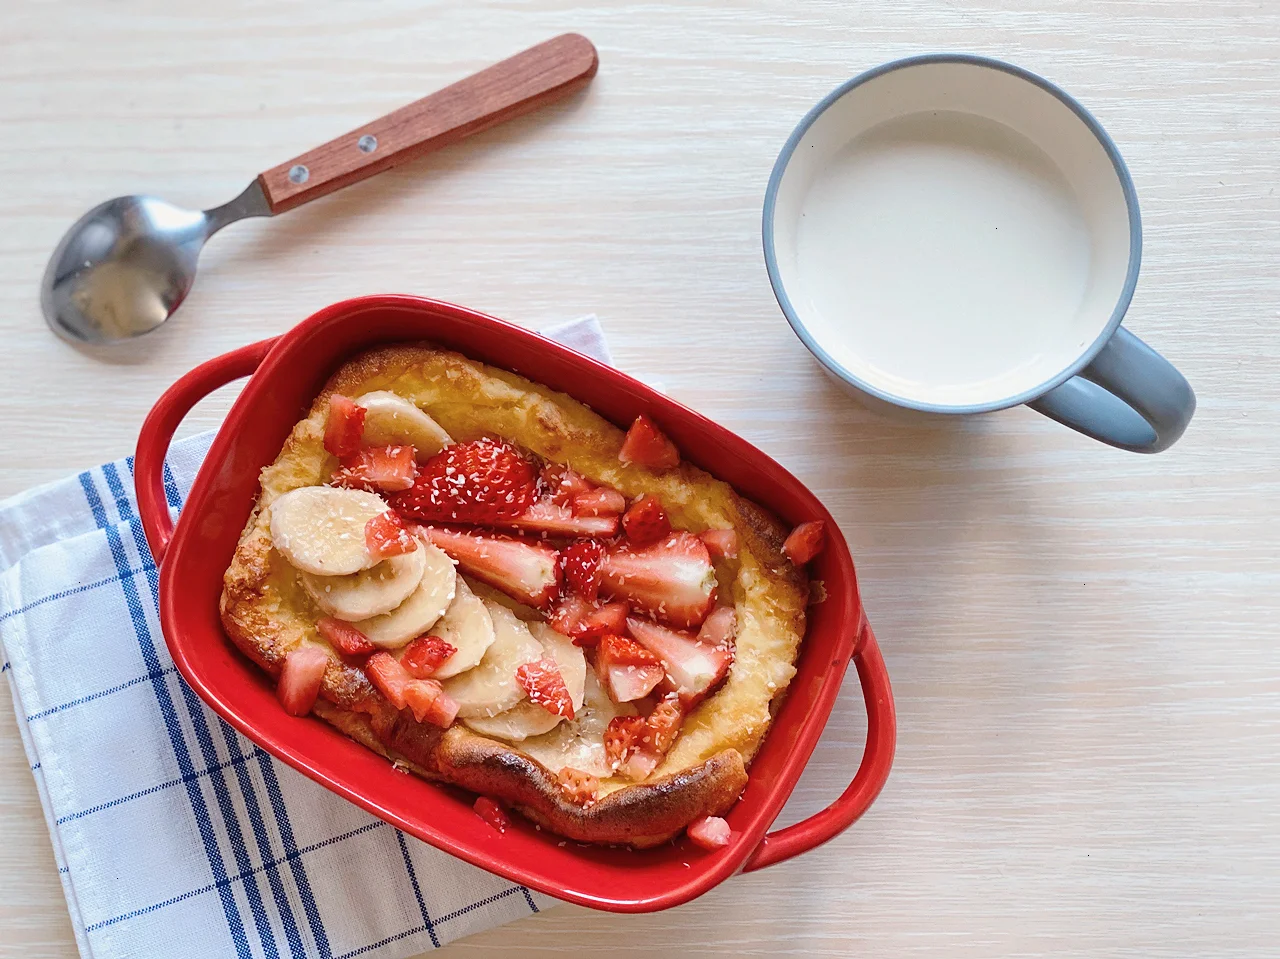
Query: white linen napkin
{"x": 174, "y": 835}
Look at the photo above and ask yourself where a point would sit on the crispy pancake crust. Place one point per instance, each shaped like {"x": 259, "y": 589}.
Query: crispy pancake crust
{"x": 266, "y": 613}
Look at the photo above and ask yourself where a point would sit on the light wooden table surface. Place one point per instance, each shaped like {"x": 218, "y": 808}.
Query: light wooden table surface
{"x": 1084, "y": 642}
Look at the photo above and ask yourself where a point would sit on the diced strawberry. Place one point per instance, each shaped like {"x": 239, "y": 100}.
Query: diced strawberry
{"x": 585, "y": 623}
{"x": 622, "y": 738}
{"x": 546, "y": 688}
{"x": 388, "y": 468}
{"x": 422, "y": 657}
{"x": 529, "y": 572}
{"x": 646, "y": 521}
{"x": 386, "y": 535}
{"x": 579, "y": 787}
{"x": 580, "y": 567}
{"x": 664, "y": 723}
{"x": 606, "y": 618}
{"x": 693, "y": 666}
{"x": 300, "y": 679}
{"x": 720, "y": 628}
{"x": 478, "y": 482}
{"x": 672, "y": 580}
{"x": 429, "y": 702}
{"x": 344, "y": 427}
{"x": 344, "y": 637}
{"x": 805, "y": 542}
{"x": 640, "y": 764}
{"x": 599, "y": 502}
{"x": 721, "y": 543}
{"x": 545, "y": 516}
{"x": 646, "y": 445}
{"x": 563, "y": 484}
{"x": 710, "y": 832}
{"x": 626, "y": 669}
{"x": 389, "y": 678}
{"x": 492, "y": 813}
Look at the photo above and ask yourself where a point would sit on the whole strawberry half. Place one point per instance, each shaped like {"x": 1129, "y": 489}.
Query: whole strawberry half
{"x": 481, "y": 482}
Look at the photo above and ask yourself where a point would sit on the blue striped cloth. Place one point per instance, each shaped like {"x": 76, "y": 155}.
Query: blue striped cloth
{"x": 173, "y": 834}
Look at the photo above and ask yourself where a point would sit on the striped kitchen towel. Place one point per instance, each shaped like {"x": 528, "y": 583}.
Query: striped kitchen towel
{"x": 173, "y": 834}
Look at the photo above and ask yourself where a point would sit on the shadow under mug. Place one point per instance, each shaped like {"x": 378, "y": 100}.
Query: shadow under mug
{"x": 881, "y": 238}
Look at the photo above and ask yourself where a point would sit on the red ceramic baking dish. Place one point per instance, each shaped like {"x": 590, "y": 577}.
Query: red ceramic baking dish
{"x": 286, "y": 374}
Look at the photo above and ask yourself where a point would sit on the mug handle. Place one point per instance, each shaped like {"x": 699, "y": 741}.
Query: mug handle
{"x": 1129, "y": 396}
{"x": 877, "y": 757}
{"x": 159, "y": 426}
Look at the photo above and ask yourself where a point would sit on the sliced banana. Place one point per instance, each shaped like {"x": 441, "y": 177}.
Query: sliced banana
{"x": 390, "y": 419}
{"x": 579, "y": 742}
{"x": 466, "y": 626}
{"x": 370, "y": 592}
{"x": 491, "y": 687}
{"x": 419, "y": 612}
{"x": 320, "y": 529}
{"x": 572, "y": 663}
{"x": 526, "y": 719}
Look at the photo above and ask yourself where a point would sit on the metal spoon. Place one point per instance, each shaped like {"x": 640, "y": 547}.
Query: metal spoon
{"x": 127, "y": 264}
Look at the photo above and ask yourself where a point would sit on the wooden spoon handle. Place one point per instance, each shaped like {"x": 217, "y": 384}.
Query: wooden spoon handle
{"x": 517, "y": 85}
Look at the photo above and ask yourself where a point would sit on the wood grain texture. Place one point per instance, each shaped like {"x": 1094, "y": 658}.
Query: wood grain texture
{"x": 520, "y": 84}
{"x": 1083, "y": 642}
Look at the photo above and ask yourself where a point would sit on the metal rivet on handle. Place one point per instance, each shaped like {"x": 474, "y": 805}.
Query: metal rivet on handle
{"x": 299, "y": 174}
{"x": 367, "y": 143}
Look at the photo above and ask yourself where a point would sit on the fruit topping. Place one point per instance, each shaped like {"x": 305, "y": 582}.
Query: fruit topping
{"x": 548, "y": 518}
{"x": 562, "y": 484}
{"x": 388, "y": 677}
{"x": 492, "y": 687}
{"x": 626, "y": 669}
{"x": 425, "y": 655}
{"x": 345, "y": 426}
{"x": 386, "y": 535}
{"x": 320, "y": 529}
{"x": 391, "y": 420}
{"x": 370, "y": 592}
{"x": 492, "y": 813}
{"x": 344, "y": 637}
{"x": 466, "y": 626}
{"x": 388, "y": 468}
{"x": 425, "y": 697}
{"x": 805, "y": 542}
{"x": 421, "y": 609}
{"x": 300, "y": 679}
{"x": 710, "y": 832}
{"x": 586, "y": 622}
{"x": 720, "y": 628}
{"x": 542, "y": 681}
{"x": 664, "y": 723}
{"x": 481, "y": 482}
{"x": 721, "y": 543}
{"x": 529, "y": 572}
{"x": 646, "y": 521}
{"x": 645, "y": 445}
{"x": 580, "y": 567}
{"x": 599, "y": 502}
{"x": 578, "y": 787}
{"x": 694, "y": 667}
{"x": 671, "y": 580}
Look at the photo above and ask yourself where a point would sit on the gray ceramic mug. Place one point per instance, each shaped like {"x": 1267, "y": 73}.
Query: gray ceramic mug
{"x": 952, "y": 234}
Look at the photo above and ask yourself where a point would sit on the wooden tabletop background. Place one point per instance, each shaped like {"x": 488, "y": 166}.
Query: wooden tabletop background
{"x": 1083, "y": 642}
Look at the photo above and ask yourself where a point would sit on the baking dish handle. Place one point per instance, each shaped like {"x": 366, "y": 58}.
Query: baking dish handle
{"x": 159, "y": 426}
{"x": 867, "y": 782}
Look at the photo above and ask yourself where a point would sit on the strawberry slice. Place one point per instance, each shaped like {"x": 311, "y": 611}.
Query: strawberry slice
{"x": 386, "y": 535}
{"x": 546, "y": 688}
{"x": 300, "y": 679}
{"x": 721, "y": 543}
{"x": 626, "y": 669}
{"x": 478, "y": 482}
{"x": 389, "y": 678}
{"x": 546, "y": 517}
{"x": 422, "y": 657}
{"x": 710, "y": 832}
{"x": 529, "y": 572}
{"x": 584, "y": 622}
{"x": 805, "y": 542}
{"x": 388, "y": 468}
{"x": 578, "y": 787}
{"x": 580, "y": 567}
{"x": 622, "y": 738}
{"x": 492, "y": 813}
{"x": 720, "y": 628}
{"x": 599, "y": 502}
{"x": 563, "y": 484}
{"x": 671, "y": 580}
{"x": 664, "y": 723}
{"x": 646, "y": 521}
{"x": 429, "y": 702}
{"x": 344, "y": 637}
{"x": 694, "y": 667}
{"x": 645, "y": 445}
{"x": 345, "y": 426}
